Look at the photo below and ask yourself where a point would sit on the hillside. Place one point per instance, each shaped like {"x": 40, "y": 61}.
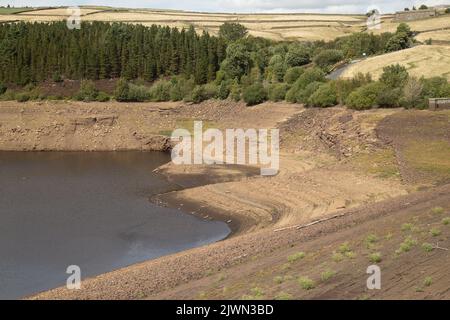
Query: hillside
{"x": 277, "y": 26}
{"x": 427, "y": 61}
{"x": 273, "y": 26}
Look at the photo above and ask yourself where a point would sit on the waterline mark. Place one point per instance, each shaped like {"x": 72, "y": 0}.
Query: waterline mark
{"x": 232, "y": 146}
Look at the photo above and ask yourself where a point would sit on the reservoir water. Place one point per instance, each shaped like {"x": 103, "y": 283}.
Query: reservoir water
{"x": 86, "y": 209}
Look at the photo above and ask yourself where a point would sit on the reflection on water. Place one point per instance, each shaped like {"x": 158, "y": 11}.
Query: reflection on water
{"x": 86, "y": 209}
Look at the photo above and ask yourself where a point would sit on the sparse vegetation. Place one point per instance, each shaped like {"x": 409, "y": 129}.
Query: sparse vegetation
{"x": 296, "y": 256}
{"x": 428, "y": 281}
{"x": 406, "y": 245}
{"x": 283, "y": 296}
{"x": 437, "y": 210}
{"x": 375, "y": 257}
{"x": 427, "y": 247}
{"x": 407, "y": 227}
{"x": 327, "y": 275}
{"x": 435, "y": 232}
{"x": 306, "y": 283}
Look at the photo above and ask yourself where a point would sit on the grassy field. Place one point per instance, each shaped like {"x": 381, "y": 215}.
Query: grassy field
{"x": 274, "y": 26}
{"x": 292, "y": 26}
{"x": 427, "y": 61}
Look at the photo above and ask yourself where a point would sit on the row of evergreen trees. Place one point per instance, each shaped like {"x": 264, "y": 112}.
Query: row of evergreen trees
{"x": 39, "y": 51}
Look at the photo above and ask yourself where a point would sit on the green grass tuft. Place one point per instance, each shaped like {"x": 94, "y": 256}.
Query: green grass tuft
{"x": 306, "y": 283}
{"x": 327, "y": 275}
{"x": 296, "y": 256}
{"x": 375, "y": 257}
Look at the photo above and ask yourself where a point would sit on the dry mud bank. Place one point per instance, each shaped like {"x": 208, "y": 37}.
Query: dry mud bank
{"x": 333, "y": 162}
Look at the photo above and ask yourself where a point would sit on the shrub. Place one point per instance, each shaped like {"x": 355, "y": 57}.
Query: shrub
{"x": 327, "y": 275}
{"x": 101, "y": 97}
{"x": 232, "y": 31}
{"x": 328, "y": 57}
{"x": 254, "y": 94}
{"x": 435, "y": 232}
{"x": 306, "y": 283}
{"x": 297, "y": 55}
{"x": 2, "y": 88}
{"x": 297, "y": 91}
{"x": 235, "y": 91}
{"x": 310, "y": 75}
{"x": 277, "y": 68}
{"x": 375, "y": 257}
{"x": 303, "y": 95}
{"x": 292, "y": 74}
{"x": 122, "y": 90}
{"x": 412, "y": 93}
{"x": 277, "y": 91}
{"x": 345, "y": 86}
{"x": 389, "y": 98}
{"x": 176, "y": 92}
{"x": 435, "y": 87}
{"x": 394, "y": 76}
{"x": 139, "y": 93}
{"x": 160, "y": 91}
{"x": 364, "y": 97}
{"x": 210, "y": 91}
{"x": 324, "y": 96}
{"x": 87, "y": 91}
{"x": 22, "y": 96}
{"x": 427, "y": 247}
{"x": 223, "y": 91}
{"x": 198, "y": 94}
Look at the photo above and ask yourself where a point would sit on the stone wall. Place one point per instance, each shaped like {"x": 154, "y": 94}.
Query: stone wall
{"x": 414, "y": 15}
{"x": 439, "y": 103}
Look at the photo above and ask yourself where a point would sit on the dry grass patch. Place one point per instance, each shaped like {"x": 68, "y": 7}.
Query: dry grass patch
{"x": 427, "y": 61}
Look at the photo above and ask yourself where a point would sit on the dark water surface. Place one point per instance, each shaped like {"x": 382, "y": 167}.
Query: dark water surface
{"x": 87, "y": 209}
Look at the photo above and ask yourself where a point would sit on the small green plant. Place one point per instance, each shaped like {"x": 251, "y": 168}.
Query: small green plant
{"x": 407, "y": 227}
{"x": 345, "y": 247}
{"x": 327, "y": 275}
{"x": 435, "y": 232}
{"x": 296, "y": 256}
{"x": 370, "y": 240}
{"x": 406, "y": 245}
{"x": 375, "y": 257}
{"x": 428, "y": 281}
{"x": 437, "y": 210}
{"x": 337, "y": 257}
{"x": 256, "y": 293}
{"x": 350, "y": 254}
{"x": 283, "y": 296}
{"x": 389, "y": 236}
{"x": 446, "y": 221}
{"x": 306, "y": 283}
{"x": 427, "y": 247}
{"x": 278, "y": 279}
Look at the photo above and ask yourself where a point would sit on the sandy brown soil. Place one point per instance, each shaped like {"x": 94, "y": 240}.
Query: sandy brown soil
{"x": 334, "y": 162}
